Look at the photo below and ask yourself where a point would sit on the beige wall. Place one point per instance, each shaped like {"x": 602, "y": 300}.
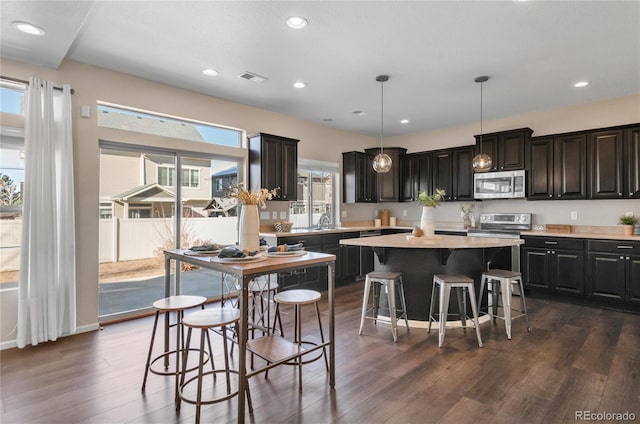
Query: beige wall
{"x": 317, "y": 142}
{"x": 92, "y": 84}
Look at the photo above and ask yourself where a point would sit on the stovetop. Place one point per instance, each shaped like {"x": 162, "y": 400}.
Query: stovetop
{"x": 502, "y": 225}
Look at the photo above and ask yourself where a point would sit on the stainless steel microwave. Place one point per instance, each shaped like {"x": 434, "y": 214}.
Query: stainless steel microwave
{"x": 499, "y": 185}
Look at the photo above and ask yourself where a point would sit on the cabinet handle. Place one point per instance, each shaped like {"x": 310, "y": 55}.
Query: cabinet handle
{"x": 553, "y": 252}
{"x": 548, "y": 252}
{"x": 551, "y": 195}
{"x": 624, "y": 247}
{"x": 621, "y": 257}
{"x": 551, "y": 242}
{"x": 628, "y": 258}
{"x": 619, "y": 194}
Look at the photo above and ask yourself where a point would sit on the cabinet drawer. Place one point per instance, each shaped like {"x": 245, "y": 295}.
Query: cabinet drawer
{"x": 305, "y": 239}
{"x": 612, "y": 246}
{"x": 554, "y": 243}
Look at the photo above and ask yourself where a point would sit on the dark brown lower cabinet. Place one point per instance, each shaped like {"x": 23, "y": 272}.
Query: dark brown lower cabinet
{"x": 614, "y": 270}
{"x": 558, "y": 270}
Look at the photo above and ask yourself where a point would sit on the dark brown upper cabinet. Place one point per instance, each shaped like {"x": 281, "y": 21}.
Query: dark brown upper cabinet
{"x": 273, "y": 163}
{"x": 631, "y": 169}
{"x": 389, "y": 185}
{"x": 462, "y": 182}
{"x": 507, "y": 149}
{"x": 570, "y": 166}
{"x": 417, "y": 175}
{"x": 358, "y": 178}
{"x": 605, "y": 164}
{"x": 541, "y": 168}
{"x": 442, "y": 172}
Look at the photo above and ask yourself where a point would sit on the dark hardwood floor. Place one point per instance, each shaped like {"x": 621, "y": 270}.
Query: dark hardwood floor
{"x": 576, "y": 358}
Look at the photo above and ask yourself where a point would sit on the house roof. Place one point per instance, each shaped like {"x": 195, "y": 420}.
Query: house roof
{"x": 146, "y": 193}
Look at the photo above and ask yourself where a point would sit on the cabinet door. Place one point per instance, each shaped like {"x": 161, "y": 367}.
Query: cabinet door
{"x": 605, "y": 164}
{"x": 570, "y": 167}
{"x": 632, "y": 163}
{"x": 633, "y": 279}
{"x": 536, "y": 267}
{"x": 407, "y": 178}
{"x": 511, "y": 151}
{"x": 271, "y": 165}
{"x": 489, "y": 145}
{"x": 350, "y": 262}
{"x": 541, "y": 168}
{"x": 442, "y": 168}
{"x": 349, "y": 180}
{"x": 462, "y": 182}
{"x": 568, "y": 271}
{"x": 606, "y": 276}
{"x": 423, "y": 173}
{"x": 289, "y": 171}
{"x": 365, "y": 179}
{"x": 339, "y": 264}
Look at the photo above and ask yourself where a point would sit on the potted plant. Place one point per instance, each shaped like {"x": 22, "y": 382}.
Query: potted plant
{"x": 628, "y": 222}
{"x": 429, "y": 202}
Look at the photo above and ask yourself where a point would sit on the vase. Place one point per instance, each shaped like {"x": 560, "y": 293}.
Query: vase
{"x": 426, "y": 222}
{"x": 628, "y": 230}
{"x": 249, "y": 228}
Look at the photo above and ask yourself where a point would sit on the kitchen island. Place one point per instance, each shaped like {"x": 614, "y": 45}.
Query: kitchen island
{"x": 419, "y": 258}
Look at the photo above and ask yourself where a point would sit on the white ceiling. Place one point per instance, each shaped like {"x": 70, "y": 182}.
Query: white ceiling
{"x": 533, "y": 51}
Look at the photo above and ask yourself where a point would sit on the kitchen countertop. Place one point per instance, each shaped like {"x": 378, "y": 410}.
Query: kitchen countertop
{"x": 406, "y": 241}
{"x": 588, "y": 233}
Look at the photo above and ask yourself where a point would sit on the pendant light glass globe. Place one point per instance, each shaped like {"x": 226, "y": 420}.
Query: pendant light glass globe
{"x": 382, "y": 163}
{"x": 481, "y": 163}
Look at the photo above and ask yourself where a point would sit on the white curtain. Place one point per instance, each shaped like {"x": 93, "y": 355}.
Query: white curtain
{"x": 47, "y": 282}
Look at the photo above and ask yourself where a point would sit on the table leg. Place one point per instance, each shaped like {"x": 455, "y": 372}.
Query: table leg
{"x": 243, "y": 334}
{"x": 167, "y": 293}
{"x": 331, "y": 268}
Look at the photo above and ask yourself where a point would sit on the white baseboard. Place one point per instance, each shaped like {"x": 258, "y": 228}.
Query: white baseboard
{"x": 82, "y": 329}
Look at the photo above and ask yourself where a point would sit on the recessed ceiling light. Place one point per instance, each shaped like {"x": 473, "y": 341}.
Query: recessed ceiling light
{"x": 404, "y": 121}
{"x": 210, "y": 72}
{"x": 296, "y": 22}
{"x": 327, "y": 120}
{"x": 28, "y": 28}
{"x": 581, "y": 84}
{"x": 299, "y": 84}
{"x": 359, "y": 112}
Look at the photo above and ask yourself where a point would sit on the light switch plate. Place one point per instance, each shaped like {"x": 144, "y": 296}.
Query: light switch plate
{"x": 264, "y": 215}
{"x": 274, "y": 215}
{"x": 283, "y": 215}
{"x": 343, "y": 214}
{"x": 574, "y": 215}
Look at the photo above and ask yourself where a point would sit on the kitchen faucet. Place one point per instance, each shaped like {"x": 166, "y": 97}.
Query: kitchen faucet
{"x": 324, "y": 221}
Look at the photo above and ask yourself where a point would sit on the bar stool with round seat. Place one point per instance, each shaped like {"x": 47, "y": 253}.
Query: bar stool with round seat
{"x": 390, "y": 281}
{"x": 298, "y": 298}
{"x": 204, "y": 321}
{"x": 501, "y": 282}
{"x": 442, "y": 285}
{"x": 167, "y": 305}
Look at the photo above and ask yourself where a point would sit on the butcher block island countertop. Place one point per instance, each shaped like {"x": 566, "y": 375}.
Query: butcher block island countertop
{"x": 406, "y": 241}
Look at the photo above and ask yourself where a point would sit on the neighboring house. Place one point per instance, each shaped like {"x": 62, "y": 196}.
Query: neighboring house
{"x": 154, "y": 195}
{"x": 220, "y": 182}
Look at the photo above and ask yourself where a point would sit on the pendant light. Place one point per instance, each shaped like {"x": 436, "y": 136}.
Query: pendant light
{"x": 482, "y": 161}
{"x": 382, "y": 161}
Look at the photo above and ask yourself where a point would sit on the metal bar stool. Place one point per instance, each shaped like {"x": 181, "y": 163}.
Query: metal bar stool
{"x": 390, "y": 281}
{"x": 177, "y": 304}
{"x": 501, "y": 283}
{"x": 443, "y": 283}
{"x": 297, "y": 298}
{"x": 204, "y": 321}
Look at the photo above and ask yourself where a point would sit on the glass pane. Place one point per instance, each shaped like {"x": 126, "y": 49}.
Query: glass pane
{"x": 11, "y": 189}
{"x": 130, "y": 120}
{"x": 11, "y": 99}
{"x": 299, "y": 209}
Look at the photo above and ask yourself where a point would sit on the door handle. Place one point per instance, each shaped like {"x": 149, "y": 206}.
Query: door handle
{"x": 624, "y": 247}
{"x": 551, "y": 242}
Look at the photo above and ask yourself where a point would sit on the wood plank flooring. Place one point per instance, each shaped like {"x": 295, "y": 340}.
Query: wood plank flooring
{"x": 576, "y": 358}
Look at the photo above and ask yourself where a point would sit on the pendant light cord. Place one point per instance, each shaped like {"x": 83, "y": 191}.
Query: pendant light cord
{"x": 381, "y": 115}
{"x": 481, "y": 117}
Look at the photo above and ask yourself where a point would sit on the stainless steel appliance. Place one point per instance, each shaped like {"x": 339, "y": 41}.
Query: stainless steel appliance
{"x": 499, "y": 185}
{"x": 503, "y": 225}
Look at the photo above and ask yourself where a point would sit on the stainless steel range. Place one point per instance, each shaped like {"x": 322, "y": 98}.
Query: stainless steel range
{"x": 503, "y": 225}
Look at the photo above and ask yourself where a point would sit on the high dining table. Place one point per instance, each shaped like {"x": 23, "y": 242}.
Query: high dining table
{"x": 246, "y": 271}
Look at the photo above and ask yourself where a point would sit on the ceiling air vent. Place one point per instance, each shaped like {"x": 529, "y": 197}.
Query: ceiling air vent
{"x": 250, "y": 76}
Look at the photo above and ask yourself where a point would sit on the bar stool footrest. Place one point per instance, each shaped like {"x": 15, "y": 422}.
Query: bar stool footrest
{"x": 172, "y": 354}
{"x": 208, "y": 401}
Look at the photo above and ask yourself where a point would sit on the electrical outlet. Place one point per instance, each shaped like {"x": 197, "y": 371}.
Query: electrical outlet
{"x": 264, "y": 215}
{"x": 404, "y": 212}
{"x": 274, "y": 215}
{"x": 283, "y": 215}
{"x": 574, "y": 215}
{"x": 376, "y": 213}
{"x": 628, "y": 214}
{"x": 343, "y": 214}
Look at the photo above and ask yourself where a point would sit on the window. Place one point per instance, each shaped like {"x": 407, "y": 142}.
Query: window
{"x": 106, "y": 211}
{"x": 139, "y": 211}
{"x": 113, "y": 116}
{"x": 316, "y": 193}
{"x": 190, "y": 177}
{"x": 219, "y": 184}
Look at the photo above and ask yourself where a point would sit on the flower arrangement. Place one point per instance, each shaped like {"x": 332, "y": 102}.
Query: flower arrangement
{"x": 431, "y": 201}
{"x": 250, "y": 197}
